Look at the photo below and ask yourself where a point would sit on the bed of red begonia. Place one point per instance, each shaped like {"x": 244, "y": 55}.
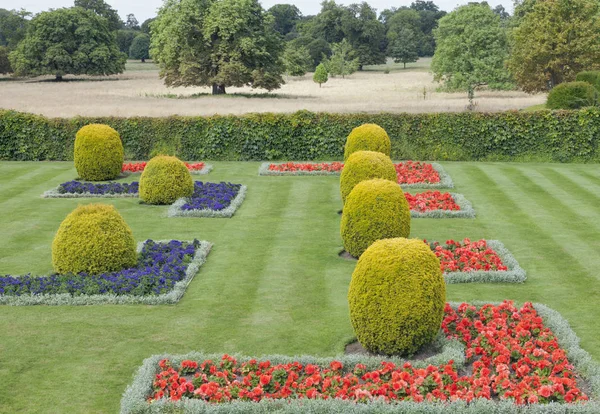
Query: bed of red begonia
{"x": 467, "y": 256}
{"x": 431, "y": 200}
{"x": 135, "y": 167}
{"x": 510, "y": 353}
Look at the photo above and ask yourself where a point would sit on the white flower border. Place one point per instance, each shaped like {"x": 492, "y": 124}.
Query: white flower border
{"x": 466, "y": 210}
{"x": 445, "y": 179}
{"x": 134, "y": 397}
{"x": 514, "y": 274}
{"x": 173, "y": 296}
{"x": 176, "y": 211}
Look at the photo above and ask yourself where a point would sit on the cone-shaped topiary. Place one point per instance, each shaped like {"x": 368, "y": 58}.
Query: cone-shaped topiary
{"x": 397, "y": 296}
{"x": 93, "y": 239}
{"x": 375, "y": 209}
{"x": 365, "y": 165}
{"x": 367, "y": 137}
{"x": 164, "y": 180}
{"x": 98, "y": 153}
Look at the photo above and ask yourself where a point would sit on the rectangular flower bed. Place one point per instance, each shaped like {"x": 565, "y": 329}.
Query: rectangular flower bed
{"x": 524, "y": 360}
{"x": 411, "y": 174}
{"x": 198, "y": 168}
{"x": 83, "y": 189}
{"x": 161, "y": 276}
{"x": 434, "y": 204}
{"x": 484, "y": 261}
{"x": 210, "y": 200}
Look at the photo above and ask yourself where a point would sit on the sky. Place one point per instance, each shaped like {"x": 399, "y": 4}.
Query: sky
{"x": 144, "y": 9}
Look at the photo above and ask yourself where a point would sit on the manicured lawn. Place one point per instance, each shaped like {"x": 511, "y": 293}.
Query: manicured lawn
{"x": 273, "y": 282}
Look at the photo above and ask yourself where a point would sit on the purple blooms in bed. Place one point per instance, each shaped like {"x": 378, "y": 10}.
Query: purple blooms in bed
{"x": 212, "y": 196}
{"x": 159, "y": 267}
{"x": 81, "y": 187}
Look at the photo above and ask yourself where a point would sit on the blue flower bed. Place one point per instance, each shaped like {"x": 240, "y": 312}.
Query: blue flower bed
{"x": 159, "y": 267}
{"x": 211, "y": 196}
{"x": 80, "y": 187}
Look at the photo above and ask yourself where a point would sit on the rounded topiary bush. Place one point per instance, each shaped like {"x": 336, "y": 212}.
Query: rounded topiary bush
{"x": 572, "y": 95}
{"x": 367, "y": 137}
{"x": 375, "y": 209}
{"x": 591, "y": 76}
{"x": 365, "y": 165}
{"x": 93, "y": 239}
{"x": 164, "y": 180}
{"x": 397, "y": 296}
{"x": 98, "y": 153}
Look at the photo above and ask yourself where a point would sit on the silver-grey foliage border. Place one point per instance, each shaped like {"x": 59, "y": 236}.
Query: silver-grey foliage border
{"x": 204, "y": 170}
{"x": 176, "y": 211}
{"x": 466, "y": 210}
{"x": 514, "y": 274}
{"x": 134, "y": 398}
{"x": 445, "y": 179}
{"x": 173, "y": 296}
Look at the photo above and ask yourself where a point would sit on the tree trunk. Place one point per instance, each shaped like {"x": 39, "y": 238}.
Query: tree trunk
{"x": 58, "y": 78}
{"x": 319, "y": 84}
{"x": 218, "y": 89}
{"x": 143, "y": 60}
{"x": 404, "y": 65}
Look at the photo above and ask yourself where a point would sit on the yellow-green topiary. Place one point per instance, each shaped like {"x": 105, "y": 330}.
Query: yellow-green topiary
{"x": 93, "y": 239}
{"x": 98, "y": 153}
{"x": 367, "y": 137}
{"x": 397, "y": 296}
{"x": 365, "y": 165}
{"x": 164, "y": 180}
{"x": 375, "y": 209}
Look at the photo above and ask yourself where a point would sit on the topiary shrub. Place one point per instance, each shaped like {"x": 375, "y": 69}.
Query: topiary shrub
{"x": 365, "y": 165}
{"x": 367, "y": 137}
{"x": 375, "y": 209}
{"x": 164, "y": 180}
{"x": 572, "y": 95}
{"x": 93, "y": 239}
{"x": 591, "y": 76}
{"x": 98, "y": 153}
{"x": 397, "y": 296}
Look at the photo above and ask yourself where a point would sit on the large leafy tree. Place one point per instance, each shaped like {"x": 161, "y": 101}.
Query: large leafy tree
{"x": 68, "y": 41}
{"x": 286, "y": 17}
{"x": 103, "y": 9}
{"x": 13, "y": 26}
{"x": 430, "y": 15}
{"x": 145, "y": 27}
{"x": 297, "y": 60}
{"x": 403, "y": 48}
{"x": 217, "y": 43}
{"x": 140, "y": 47}
{"x": 555, "y": 39}
{"x": 343, "y": 60}
{"x": 125, "y": 38}
{"x": 472, "y": 46}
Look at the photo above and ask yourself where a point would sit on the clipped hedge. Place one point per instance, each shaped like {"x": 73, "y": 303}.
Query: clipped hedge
{"x": 367, "y": 137}
{"x": 591, "y": 76}
{"x": 572, "y": 95}
{"x": 564, "y": 136}
{"x": 98, "y": 153}
{"x": 365, "y": 165}
{"x": 164, "y": 180}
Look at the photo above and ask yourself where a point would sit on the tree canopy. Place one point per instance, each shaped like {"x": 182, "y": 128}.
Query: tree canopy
{"x": 343, "y": 60}
{"x": 13, "y": 26}
{"x": 286, "y": 16}
{"x": 140, "y": 47}
{"x": 217, "y": 43}
{"x": 68, "y": 41}
{"x": 103, "y": 9}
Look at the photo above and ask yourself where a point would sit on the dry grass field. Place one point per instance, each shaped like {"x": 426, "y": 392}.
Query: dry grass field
{"x": 140, "y": 92}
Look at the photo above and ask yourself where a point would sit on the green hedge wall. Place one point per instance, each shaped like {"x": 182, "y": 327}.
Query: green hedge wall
{"x": 564, "y": 136}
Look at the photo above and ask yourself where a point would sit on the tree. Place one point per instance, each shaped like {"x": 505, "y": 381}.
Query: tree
{"x": 124, "y": 38}
{"x": 13, "y": 26}
{"x": 471, "y": 49}
{"x": 102, "y": 9}
{"x": 286, "y": 16}
{"x": 217, "y": 43}
{"x": 554, "y": 41}
{"x": 297, "y": 60}
{"x": 68, "y": 41}
{"x": 320, "y": 75}
{"x": 4, "y": 62}
{"x": 131, "y": 22}
{"x": 146, "y": 25}
{"x": 343, "y": 61}
{"x": 404, "y": 47}
{"x": 501, "y": 11}
{"x": 140, "y": 47}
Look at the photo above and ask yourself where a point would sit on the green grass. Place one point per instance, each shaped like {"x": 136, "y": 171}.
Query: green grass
{"x": 421, "y": 65}
{"x": 273, "y": 282}
{"x": 534, "y": 108}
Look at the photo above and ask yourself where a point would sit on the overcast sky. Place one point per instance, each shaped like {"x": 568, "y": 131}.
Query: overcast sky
{"x": 144, "y": 9}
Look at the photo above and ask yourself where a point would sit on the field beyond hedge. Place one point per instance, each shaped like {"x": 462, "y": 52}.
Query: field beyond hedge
{"x": 273, "y": 283}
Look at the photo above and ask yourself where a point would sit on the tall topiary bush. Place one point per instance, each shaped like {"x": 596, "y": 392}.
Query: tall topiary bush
{"x": 365, "y": 165}
{"x": 397, "y": 296}
{"x": 367, "y": 137}
{"x": 98, "y": 153}
{"x": 375, "y": 209}
{"x": 93, "y": 239}
{"x": 164, "y": 180}
{"x": 572, "y": 95}
{"x": 591, "y": 76}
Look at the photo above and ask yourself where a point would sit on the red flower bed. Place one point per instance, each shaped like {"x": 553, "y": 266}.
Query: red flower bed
{"x": 431, "y": 200}
{"x": 409, "y": 172}
{"x": 466, "y": 256}
{"x": 135, "y": 167}
{"x": 512, "y": 355}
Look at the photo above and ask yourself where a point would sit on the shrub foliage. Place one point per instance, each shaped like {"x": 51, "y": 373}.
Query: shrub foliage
{"x": 375, "y": 209}
{"x": 397, "y": 296}
{"x": 367, "y": 137}
{"x": 365, "y": 165}
{"x": 572, "y": 95}
{"x": 591, "y": 76}
{"x": 164, "y": 180}
{"x": 98, "y": 153}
